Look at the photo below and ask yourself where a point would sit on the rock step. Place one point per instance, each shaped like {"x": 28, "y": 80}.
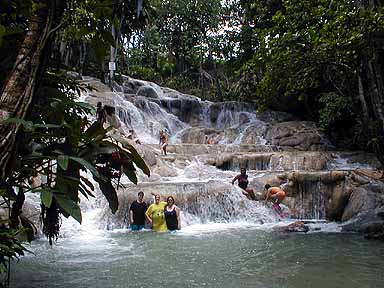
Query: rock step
{"x": 283, "y": 160}
{"x": 199, "y": 149}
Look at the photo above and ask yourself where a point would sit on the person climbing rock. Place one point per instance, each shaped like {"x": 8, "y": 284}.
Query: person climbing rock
{"x": 242, "y": 181}
{"x": 276, "y": 195}
{"x": 163, "y": 142}
{"x": 137, "y": 212}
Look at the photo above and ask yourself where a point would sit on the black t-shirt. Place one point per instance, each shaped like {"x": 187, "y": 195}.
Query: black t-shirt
{"x": 138, "y": 210}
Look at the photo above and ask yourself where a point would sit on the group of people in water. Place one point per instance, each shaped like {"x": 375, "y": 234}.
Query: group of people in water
{"x": 165, "y": 215}
{"x": 162, "y": 216}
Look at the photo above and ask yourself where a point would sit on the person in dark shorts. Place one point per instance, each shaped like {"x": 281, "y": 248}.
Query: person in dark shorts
{"x": 137, "y": 212}
{"x": 242, "y": 181}
{"x": 172, "y": 215}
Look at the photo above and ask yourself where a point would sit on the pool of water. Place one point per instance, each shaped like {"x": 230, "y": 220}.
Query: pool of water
{"x": 199, "y": 257}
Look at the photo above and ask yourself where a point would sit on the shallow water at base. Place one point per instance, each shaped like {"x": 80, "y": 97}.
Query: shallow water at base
{"x": 236, "y": 257}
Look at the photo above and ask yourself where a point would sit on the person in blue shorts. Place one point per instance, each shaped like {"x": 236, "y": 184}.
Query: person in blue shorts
{"x": 137, "y": 212}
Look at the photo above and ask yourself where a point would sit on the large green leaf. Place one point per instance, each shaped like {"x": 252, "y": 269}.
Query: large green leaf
{"x": 138, "y": 160}
{"x": 46, "y": 197}
{"x": 28, "y": 125}
{"x": 70, "y": 206}
{"x": 63, "y": 161}
{"x": 86, "y": 106}
{"x": 110, "y": 193}
{"x": 88, "y": 166}
{"x": 131, "y": 175}
{"x": 95, "y": 130}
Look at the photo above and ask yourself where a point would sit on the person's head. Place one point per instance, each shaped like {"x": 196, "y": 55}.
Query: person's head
{"x": 170, "y": 200}
{"x": 98, "y": 105}
{"x": 109, "y": 110}
{"x": 243, "y": 171}
{"x": 267, "y": 186}
{"x": 140, "y": 195}
{"x": 157, "y": 198}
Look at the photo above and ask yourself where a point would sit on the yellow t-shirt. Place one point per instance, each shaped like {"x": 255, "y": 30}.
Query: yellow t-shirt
{"x": 156, "y": 212}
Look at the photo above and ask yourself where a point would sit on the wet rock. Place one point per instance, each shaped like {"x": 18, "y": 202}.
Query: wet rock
{"x": 360, "y": 201}
{"x": 147, "y": 91}
{"x": 295, "y": 227}
{"x": 74, "y": 75}
{"x": 164, "y": 170}
{"x": 299, "y": 135}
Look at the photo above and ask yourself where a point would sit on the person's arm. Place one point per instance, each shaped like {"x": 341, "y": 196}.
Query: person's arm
{"x": 267, "y": 196}
{"x": 148, "y": 215}
{"x": 131, "y": 216}
{"x": 234, "y": 179}
{"x": 178, "y": 217}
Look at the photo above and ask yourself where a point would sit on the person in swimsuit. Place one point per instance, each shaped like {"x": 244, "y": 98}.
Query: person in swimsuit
{"x": 242, "y": 181}
{"x": 172, "y": 215}
{"x": 163, "y": 142}
{"x": 276, "y": 195}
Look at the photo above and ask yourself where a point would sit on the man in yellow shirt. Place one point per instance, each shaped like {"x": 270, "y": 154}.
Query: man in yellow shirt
{"x": 155, "y": 215}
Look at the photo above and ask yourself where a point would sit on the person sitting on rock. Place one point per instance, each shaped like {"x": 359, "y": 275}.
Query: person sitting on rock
{"x": 276, "y": 195}
{"x": 242, "y": 180}
{"x": 163, "y": 142}
{"x": 133, "y": 136}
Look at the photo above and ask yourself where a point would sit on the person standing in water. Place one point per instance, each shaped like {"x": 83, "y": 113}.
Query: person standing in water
{"x": 155, "y": 215}
{"x": 242, "y": 180}
{"x": 137, "y": 212}
{"x": 163, "y": 142}
{"x": 276, "y": 195}
{"x": 172, "y": 215}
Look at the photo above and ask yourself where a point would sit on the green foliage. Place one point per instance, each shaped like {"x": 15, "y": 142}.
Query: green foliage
{"x": 335, "y": 106}
{"x": 10, "y": 247}
{"x": 61, "y": 143}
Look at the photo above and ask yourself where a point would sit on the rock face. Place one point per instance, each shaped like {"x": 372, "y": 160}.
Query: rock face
{"x": 298, "y": 135}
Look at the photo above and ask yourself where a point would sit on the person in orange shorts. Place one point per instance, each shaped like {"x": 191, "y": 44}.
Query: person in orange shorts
{"x": 276, "y": 195}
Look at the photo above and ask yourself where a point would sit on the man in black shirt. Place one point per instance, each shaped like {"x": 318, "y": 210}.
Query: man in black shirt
{"x": 137, "y": 212}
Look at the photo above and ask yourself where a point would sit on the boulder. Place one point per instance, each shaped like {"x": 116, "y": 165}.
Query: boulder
{"x": 297, "y": 226}
{"x": 298, "y": 135}
{"x": 147, "y": 91}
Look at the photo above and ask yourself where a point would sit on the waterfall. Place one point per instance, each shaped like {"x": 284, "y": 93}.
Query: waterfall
{"x": 198, "y": 174}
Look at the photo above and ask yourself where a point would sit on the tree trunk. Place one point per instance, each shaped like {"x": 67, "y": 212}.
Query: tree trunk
{"x": 18, "y": 91}
{"x": 377, "y": 97}
{"x": 361, "y": 96}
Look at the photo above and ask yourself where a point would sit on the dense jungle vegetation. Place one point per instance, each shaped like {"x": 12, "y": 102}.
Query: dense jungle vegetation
{"x": 321, "y": 60}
